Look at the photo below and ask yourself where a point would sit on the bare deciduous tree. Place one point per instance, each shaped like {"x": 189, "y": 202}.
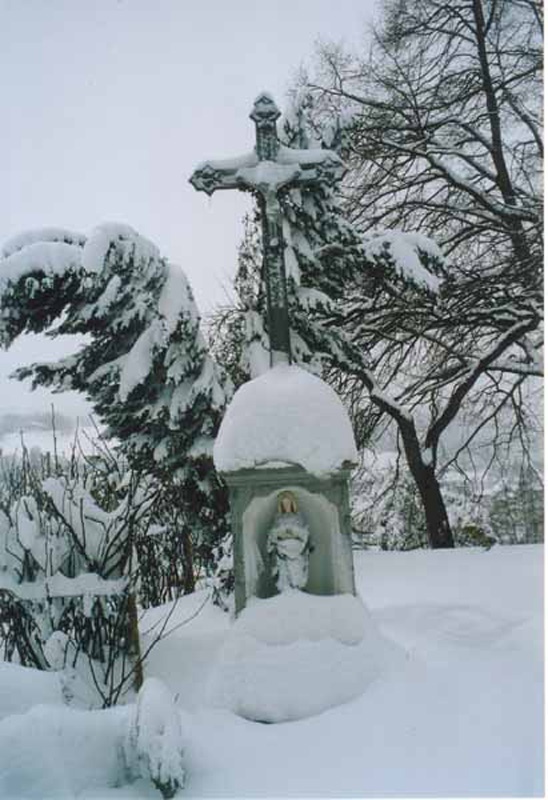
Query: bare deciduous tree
{"x": 441, "y": 130}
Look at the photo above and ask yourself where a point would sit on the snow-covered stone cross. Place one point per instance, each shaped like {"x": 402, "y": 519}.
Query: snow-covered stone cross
{"x": 265, "y": 171}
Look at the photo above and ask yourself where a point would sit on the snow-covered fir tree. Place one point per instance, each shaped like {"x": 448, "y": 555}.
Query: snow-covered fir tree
{"x": 143, "y": 365}
{"x": 516, "y": 507}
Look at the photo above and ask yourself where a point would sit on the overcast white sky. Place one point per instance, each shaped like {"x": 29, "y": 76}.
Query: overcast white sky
{"x": 107, "y": 106}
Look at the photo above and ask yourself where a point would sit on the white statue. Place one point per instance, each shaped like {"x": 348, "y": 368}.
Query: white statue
{"x": 288, "y": 545}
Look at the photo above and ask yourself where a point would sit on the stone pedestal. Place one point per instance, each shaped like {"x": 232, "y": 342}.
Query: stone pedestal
{"x": 323, "y": 507}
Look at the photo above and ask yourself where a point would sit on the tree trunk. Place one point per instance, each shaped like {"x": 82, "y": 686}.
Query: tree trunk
{"x": 438, "y": 527}
{"x": 504, "y": 181}
{"x": 135, "y": 642}
{"x": 189, "y": 582}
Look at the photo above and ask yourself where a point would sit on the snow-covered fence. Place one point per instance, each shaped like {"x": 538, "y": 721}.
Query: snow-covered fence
{"x": 66, "y": 558}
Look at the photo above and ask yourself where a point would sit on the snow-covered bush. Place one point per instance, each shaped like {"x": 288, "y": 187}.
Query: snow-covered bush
{"x": 386, "y": 512}
{"x": 153, "y": 747}
{"x": 66, "y": 561}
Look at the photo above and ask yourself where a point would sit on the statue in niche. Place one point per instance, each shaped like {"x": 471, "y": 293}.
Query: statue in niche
{"x": 288, "y": 545}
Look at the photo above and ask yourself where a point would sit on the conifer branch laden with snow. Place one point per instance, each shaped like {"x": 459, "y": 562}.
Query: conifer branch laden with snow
{"x": 144, "y": 366}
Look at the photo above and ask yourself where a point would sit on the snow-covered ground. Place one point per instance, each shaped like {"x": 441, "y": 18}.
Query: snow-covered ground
{"x": 461, "y": 714}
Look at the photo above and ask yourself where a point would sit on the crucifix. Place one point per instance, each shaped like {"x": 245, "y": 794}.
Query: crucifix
{"x": 265, "y": 171}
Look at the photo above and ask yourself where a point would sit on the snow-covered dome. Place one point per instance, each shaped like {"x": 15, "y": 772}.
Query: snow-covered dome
{"x": 285, "y": 417}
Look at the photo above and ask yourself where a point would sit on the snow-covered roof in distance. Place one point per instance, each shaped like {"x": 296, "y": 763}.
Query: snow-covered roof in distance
{"x": 285, "y": 417}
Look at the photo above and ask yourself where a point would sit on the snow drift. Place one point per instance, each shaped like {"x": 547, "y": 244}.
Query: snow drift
{"x": 296, "y": 654}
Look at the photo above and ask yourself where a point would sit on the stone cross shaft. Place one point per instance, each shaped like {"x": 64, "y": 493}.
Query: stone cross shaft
{"x": 265, "y": 171}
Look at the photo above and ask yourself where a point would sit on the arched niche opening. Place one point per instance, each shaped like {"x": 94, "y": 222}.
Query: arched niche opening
{"x": 328, "y": 571}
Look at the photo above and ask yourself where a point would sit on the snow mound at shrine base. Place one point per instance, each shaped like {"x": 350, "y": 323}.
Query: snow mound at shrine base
{"x": 286, "y": 415}
{"x": 296, "y": 655}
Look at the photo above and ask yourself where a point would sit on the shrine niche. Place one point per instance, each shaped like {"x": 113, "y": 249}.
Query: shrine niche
{"x": 312, "y": 553}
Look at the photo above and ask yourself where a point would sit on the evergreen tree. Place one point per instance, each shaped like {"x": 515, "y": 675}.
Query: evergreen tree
{"x": 144, "y": 364}
{"x": 237, "y": 337}
{"x": 323, "y": 252}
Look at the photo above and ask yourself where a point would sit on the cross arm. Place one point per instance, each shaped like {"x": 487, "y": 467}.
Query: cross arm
{"x": 292, "y": 168}
{"x": 315, "y": 165}
{"x": 212, "y": 175}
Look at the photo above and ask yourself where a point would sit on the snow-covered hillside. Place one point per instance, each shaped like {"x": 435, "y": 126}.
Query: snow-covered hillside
{"x": 35, "y": 432}
{"x": 461, "y": 714}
